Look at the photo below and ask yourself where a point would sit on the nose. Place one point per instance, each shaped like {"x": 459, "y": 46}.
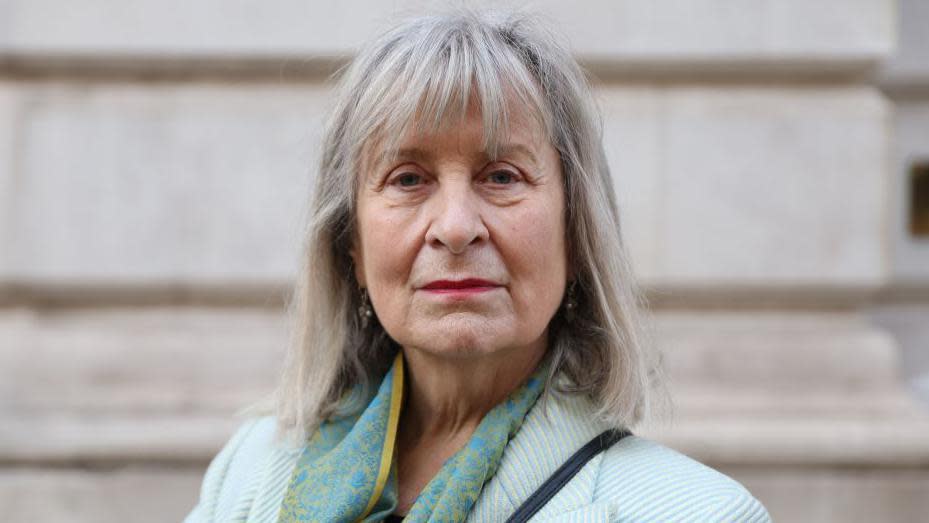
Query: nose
{"x": 456, "y": 220}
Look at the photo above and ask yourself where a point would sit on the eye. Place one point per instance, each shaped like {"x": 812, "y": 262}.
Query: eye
{"x": 408, "y": 179}
{"x": 503, "y": 177}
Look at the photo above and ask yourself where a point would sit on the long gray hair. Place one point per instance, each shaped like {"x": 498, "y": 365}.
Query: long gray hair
{"x": 424, "y": 72}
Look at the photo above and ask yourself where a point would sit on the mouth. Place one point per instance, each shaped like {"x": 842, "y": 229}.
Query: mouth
{"x": 465, "y": 286}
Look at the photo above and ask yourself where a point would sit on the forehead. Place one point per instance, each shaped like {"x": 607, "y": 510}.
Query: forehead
{"x": 518, "y": 132}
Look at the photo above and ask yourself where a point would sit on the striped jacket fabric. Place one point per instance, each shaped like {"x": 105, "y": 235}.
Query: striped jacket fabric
{"x": 636, "y": 480}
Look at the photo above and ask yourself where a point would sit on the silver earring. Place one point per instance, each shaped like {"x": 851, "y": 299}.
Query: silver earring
{"x": 570, "y": 303}
{"x": 364, "y": 310}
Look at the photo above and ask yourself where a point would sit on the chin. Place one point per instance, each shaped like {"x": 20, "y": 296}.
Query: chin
{"x": 461, "y": 345}
{"x": 462, "y": 339}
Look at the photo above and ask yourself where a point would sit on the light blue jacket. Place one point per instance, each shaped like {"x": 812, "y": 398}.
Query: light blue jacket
{"x": 635, "y": 480}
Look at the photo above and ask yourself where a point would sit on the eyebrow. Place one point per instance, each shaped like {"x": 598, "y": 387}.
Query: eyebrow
{"x": 425, "y": 155}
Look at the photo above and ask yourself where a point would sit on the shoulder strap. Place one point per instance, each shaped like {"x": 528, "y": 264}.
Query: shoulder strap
{"x": 565, "y": 472}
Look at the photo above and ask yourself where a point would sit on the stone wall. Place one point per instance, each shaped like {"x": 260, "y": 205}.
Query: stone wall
{"x": 155, "y": 160}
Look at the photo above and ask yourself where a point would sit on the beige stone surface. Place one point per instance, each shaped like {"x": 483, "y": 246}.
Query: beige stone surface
{"x": 127, "y": 183}
{"x": 782, "y": 185}
{"x": 907, "y": 322}
{"x": 778, "y": 394}
{"x": 911, "y": 254}
{"x": 788, "y": 388}
{"x": 135, "y": 362}
{"x": 751, "y": 185}
{"x": 207, "y": 183}
{"x": 9, "y": 118}
{"x": 799, "y": 351}
{"x": 632, "y": 128}
{"x": 132, "y": 493}
{"x": 910, "y": 61}
{"x": 68, "y": 438}
{"x": 827, "y": 30}
{"x": 818, "y": 495}
{"x": 162, "y": 383}
{"x": 124, "y": 384}
{"x": 864, "y": 440}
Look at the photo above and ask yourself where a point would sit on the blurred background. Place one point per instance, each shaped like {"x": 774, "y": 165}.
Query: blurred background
{"x": 771, "y": 159}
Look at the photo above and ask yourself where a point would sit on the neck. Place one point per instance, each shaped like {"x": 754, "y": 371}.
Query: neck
{"x": 444, "y": 401}
{"x": 448, "y": 397}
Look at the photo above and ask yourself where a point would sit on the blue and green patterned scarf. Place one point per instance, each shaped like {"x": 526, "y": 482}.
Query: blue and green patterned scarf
{"x": 347, "y": 471}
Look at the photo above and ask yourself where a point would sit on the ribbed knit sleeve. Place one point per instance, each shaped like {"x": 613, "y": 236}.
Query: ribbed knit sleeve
{"x": 215, "y": 495}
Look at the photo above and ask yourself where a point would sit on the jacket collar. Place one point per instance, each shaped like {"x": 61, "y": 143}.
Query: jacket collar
{"x": 553, "y": 430}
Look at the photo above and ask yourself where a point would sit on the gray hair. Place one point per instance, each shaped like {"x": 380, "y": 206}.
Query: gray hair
{"x": 424, "y": 72}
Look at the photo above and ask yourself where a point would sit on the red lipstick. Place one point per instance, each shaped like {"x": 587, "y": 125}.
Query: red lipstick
{"x": 465, "y": 286}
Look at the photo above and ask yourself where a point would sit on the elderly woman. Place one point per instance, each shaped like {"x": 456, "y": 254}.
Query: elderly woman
{"x": 467, "y": 343}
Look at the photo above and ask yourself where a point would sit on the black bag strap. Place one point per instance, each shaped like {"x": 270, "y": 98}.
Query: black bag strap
{"x": 565, "y": 472}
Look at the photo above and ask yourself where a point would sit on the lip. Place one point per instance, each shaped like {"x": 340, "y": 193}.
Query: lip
{"x": 465, "y": 286}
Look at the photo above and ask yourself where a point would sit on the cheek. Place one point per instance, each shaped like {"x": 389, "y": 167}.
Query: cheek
{"x": 537, "y": 258}
{"x": 389, "y": 251}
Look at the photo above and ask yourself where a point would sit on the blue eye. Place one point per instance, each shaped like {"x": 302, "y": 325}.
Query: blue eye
{"x": 502, "y": 177}
{"x": 408, "y": 179}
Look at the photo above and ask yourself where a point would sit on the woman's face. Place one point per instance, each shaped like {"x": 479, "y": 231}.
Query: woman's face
{"x": 462, "y": 256}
